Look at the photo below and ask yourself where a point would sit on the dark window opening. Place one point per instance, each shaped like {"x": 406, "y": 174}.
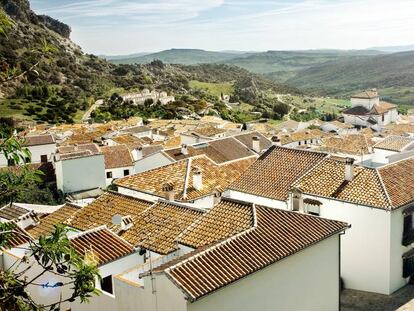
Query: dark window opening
{"x": 383, "y": 118}
{"x": 126, "y": 172}
{"x": 106, "y": 284}
{"x": 43, "y": 158}
{"x": 313, "y": 213}
{"x": 108, "y": 174}
{"x": 408, "y": 234}
{"x": 10, "y": 162}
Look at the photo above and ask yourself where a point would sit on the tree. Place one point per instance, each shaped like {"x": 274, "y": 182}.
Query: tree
{"x": 53, "y": 254}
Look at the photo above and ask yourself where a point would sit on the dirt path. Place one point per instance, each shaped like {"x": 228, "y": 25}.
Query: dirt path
{"x": 87, "y": 114}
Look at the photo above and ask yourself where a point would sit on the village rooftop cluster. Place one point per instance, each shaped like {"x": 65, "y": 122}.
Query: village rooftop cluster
{"x": 211, "y": 215}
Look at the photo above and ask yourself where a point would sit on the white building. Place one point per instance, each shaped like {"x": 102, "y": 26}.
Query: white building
{"x": 41, "y": 148}
{"x": 139, "y": 131}
{"x": 118, "y": 162}
{"x": 368, "y": 111}
{"x": 393, "y": 148}
{"x": 378, "y": 204}
{"x": 79, "y": 168}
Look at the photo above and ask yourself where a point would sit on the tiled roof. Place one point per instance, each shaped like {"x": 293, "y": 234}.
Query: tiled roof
{"x": 13, "y": 212}
{"x": 137, "y": 129}
{"x": 247, "y": 140}
{"x": 398, "y": 179}
{"x": 130, "y": 141}
{"x": 19, "y": 237}
{"x": 328, "y": 180}
{"x": 46, "y": 224}
{"x": 173, "y": 142}
{"x": 154, "y": 226}
{"x": 148, "y": 150}
{"x": 394, "y": 143}
{"x": 355, "y": 144}
{"x": 101, "y": 210}
{"x": 39, "y": 140}
{"x": 78, "y": 151}
{"x": 220, "y": 150}
{"x": 277, "y": 235}
{"x": 357, "y": 110}
{"x": 224, "y": 220}
{"x": 400, "y": 129}
{"x": 158, "y": 227}
{"x": 274, "y": 172}
{"x": 101, "y": 246}
{"x": 213, "y": 176}
{"x": 301, "y": 136}
{"x": 116, "y": 156}
{"x": 208, "y": 131}
{"x": 366, "y": 94}
{"x": 383, "y": 107}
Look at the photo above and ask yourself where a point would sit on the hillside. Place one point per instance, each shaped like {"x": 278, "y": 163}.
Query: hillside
{"x": 45, "y": 77}
{"x": 393, "y": 74}
{"x": 178, "y": 56}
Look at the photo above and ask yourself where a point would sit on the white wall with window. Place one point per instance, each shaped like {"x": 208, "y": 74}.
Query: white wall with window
{"x": 119, "y": 172}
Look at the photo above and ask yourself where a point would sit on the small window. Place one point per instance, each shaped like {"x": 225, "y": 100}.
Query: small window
{"x": 383, "y": 117}
{"x": 300, "y": 143}
{"x": 126, "y": 172}
{"x": 43, "y": 158}
{"x": 10, "y": 162}
{"x": 106, "y": 284}
{"x": 108, "y": 174}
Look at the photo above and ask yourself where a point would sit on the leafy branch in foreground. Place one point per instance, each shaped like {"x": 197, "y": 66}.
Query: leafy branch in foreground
{"x": 54, "y": 255}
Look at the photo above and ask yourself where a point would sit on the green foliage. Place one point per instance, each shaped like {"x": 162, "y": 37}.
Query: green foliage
{"x": 5, "y": 23}
{"x": 55, "y": 255}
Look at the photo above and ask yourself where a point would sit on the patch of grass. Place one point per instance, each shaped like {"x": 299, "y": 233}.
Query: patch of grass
{"x": 214, "y": 89}
{"x": 398, "y": 95}
{"x": 17, "y": 108}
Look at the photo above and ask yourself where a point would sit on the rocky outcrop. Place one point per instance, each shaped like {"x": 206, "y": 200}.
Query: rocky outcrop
{"x": 20, "y": 10}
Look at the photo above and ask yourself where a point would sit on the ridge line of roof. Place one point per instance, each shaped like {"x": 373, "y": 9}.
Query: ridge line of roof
{"x": 384, "y": 188}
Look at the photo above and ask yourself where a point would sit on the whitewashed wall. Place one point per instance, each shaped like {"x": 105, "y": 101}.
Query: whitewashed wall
{"x": 118, "y": 173}
{"x": 308, "y": 280}
{"x": 150, "y": 162}
{"x": 38, "y": 151}
{"x": 246, "y": 197}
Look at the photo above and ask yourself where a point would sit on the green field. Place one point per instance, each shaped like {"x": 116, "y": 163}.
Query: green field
{"x": 213, "y": 88}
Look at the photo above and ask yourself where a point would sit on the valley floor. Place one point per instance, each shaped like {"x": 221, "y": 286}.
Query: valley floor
{"x": 402, "y": 300}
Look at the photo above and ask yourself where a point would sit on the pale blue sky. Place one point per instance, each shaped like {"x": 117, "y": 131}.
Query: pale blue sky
{"x": 129, "y": 26}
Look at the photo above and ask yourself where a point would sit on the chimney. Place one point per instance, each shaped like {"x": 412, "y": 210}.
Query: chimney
{"x": 217, "y": 196}
{"x": 297, "y": 200}
{"x": 137, "y": 154}
{"x": 197, "y": 178}
{"x": 256, "y": 144}
{"x": 169, "y": 192}
{"x": 275, "y": 141}
{"x": 184, "y": 149}
{"x": 349, "y": 169}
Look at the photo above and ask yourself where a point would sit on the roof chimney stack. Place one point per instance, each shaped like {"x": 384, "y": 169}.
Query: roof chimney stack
{"x": 256, "y": 144}
{"x": 168, "y": 189}
{"x": 197, "y": 178}
{"x": 275, "y": 141}
{"x": 137, "y": 153}
{"x": 349, "y": 169}
{"x": 184, "y": 149}
{"x": 217, "y": 196}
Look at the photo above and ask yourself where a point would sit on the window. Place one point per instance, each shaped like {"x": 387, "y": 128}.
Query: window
{"x": 10, "y": 162}
{"x": 108, "y": 174}
{"x": 383, "y": 117}
{"x": 300, "y": 143}
{"x": 106, "y": 284}
{"x": 408, "y": 233}
{"x": 126, "y": 172}
{"x": 43, "y": 158}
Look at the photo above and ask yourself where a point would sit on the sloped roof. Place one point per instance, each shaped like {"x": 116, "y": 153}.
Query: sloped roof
{"x": 355, "y": 144}
{"x": 78, "y": 151}
{"x": 388, "y": 187}
{"x": 357, "y": 110}
{"x": 37, "y": 140}
{"x": 380, "y": 108}
{"x": 366, "y": 94}
{"x": 394, "y": 143}
{"x": 224, "y": 220}
{"x": 46, "y": 224}
{"x": 116, "y": 156}
{"x": 13, "y": 212}
{"x": 154, "y": 226}
{"x": 130, "y": 141}
{"x": 247, "y": 139}
{"x": 249, "y": 251}
{"x": 383, "y": 107}
{"x": 220, "y": 151}
{"x": 100, "y": 245}
{"x": 213, "y": 176}
{"x": 208, "y": 131}
{"x": 137, "y": 129}
{"x": 274, "y": 172}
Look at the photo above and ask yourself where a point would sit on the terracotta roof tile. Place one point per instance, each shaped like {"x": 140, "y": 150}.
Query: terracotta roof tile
{"x": 101, "y": 246}
{"x": 224, "y": 220}
{"x": 277, "y": 235}
{"x": 213, "y": 176}
{"x": 394, "y": 143}
{"x": 208, "y": 131}
{"x": 37, "y": 140}
{"x": 247, "y": 140}
{"x": 366, "y": 94}
{"x": 355, "y": 144}
{"x": 116, "y": 156}
{"x": 274, "y": 172}
{"x": 46, "y": 225}
{"x": 220, "y": 150}
{"x": 130, "y": 141}
{"x": 398, "y": 179}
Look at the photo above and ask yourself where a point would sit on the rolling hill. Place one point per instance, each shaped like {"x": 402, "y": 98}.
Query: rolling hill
{"x": 393, "y": 74}
{"x": 178, "y": 56}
